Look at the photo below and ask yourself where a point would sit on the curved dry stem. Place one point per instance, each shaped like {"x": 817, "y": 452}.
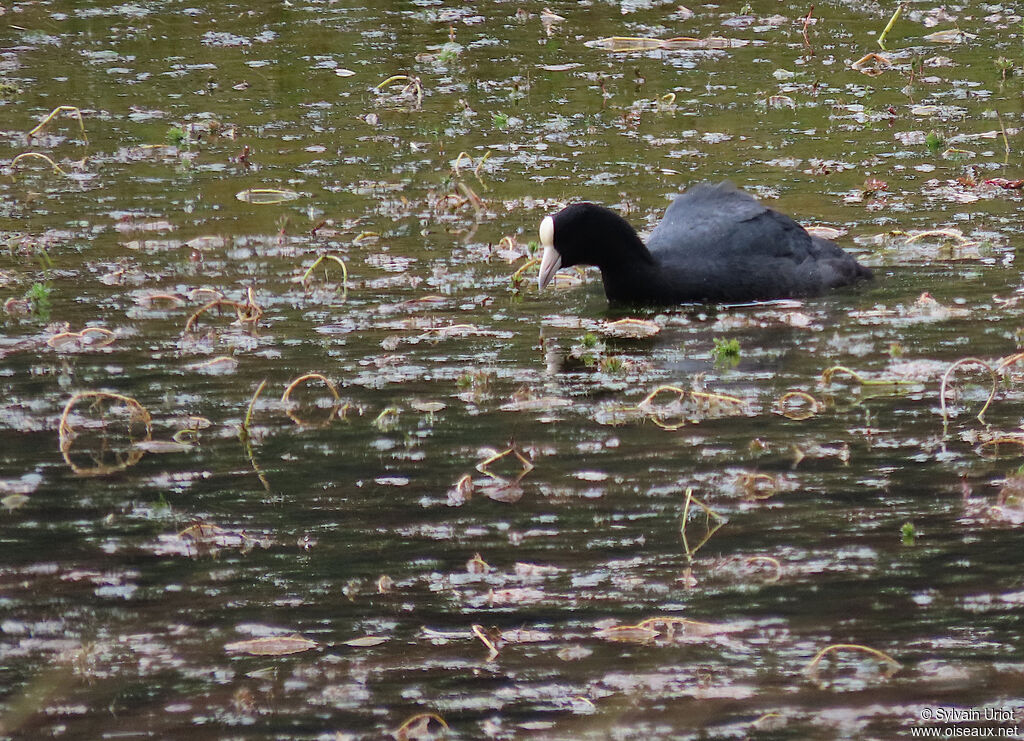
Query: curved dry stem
{"x": 826, "y": 377}
{"x": 252, "y": 405}
{"x": 669, "y": 623}
{"x": 58, "y": 339}
{"x": 458, "y": 160}
{"x": 476, "y": 170}
{"x": 945, "y": 380}
{"x": 529, "y": 264}
{"x": 749, "y": 482}
{"x": 713, "y": 397}
{"x": 796, "y": 413}
{"x": 323, "y": 258}
{"x": 711, "y": 530}
{"x": 1009, "y": 360}
{"x": 66, "y": 434}
{"x": 476, "y": 201}
{"x": 479, "y": 632}
{"x": 39, "y": 155}
{"x": 870, "y": 58}
{"x": 393, "y": 78}
{"x": 52, "y": 114}
{"x": 421, "y": 721}
{"x": 647, "y": 400}
{"x": 950, "y": 233}
{"x": 527, "y": 465}
{"x": 892, "y": 665}
{"x": 993, "y": 446}
{"x": 773, "y": 562}
{"x": 364, "y": 235}
{"x": 247, "y": 312}
{"x": 299, "y": 381}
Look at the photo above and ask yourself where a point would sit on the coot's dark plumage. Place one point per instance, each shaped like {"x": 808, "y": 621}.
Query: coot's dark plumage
{"x": 716, "y": 243}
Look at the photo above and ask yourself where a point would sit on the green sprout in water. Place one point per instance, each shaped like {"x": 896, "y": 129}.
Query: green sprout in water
{"x": 589, "y": 340}
{"x": 934, "y": 142}
{"x": 612, "y": 365}
{"x": 908, "y": 533}
{"x": 38, "y": 297}
{"x": 175, "y": 136}
{"x": 449, "y": 53}
{"x": 1005, "y": 67}
{"x": 500, "y": 120}
{"x": 725, "y": 352}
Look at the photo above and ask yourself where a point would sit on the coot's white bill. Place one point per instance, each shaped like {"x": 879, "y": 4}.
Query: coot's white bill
{"x": 551, "y": 261}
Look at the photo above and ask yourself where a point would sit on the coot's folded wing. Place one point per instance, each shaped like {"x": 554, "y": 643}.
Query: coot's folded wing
{"x": 721, "y": 219}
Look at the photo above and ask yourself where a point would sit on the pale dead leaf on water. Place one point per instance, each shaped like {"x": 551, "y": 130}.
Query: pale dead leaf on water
{"x": 627, "y": 634}
{"x": 365, "y": 641}
{"x": 541, "y": 403}
{"x": 631, "y": 328}
{"x": 525, "y": 635}
{"x": 272, "y": 646}
{"x": 573, "y": 653}
{"x": 826, "y": 232}
{"x": 515, "y": 596}
{"x": 950, "y": 36}
{"x": 535, "y": 569}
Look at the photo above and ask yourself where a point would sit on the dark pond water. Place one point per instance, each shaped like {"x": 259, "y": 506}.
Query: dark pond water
{"x": 490, "y": 474}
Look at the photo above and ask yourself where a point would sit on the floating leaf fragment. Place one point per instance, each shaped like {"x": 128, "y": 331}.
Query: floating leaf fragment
{"x": 266, "y": 196}
{"x": 950, "y": 36}
{"x": 647, "y": 43}
{"x": 272, "y": 646}
{"x": 631, "y": 328}
{"x": 365, "y": 641}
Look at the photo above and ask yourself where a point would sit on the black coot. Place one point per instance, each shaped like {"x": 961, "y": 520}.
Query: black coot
{"x": 716, "y": 243}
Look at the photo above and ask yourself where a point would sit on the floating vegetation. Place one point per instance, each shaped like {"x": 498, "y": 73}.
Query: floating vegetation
{"x": 389, "y": 239}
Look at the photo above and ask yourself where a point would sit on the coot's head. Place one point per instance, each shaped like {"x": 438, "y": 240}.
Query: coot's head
{"x": 584, "y": 234}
